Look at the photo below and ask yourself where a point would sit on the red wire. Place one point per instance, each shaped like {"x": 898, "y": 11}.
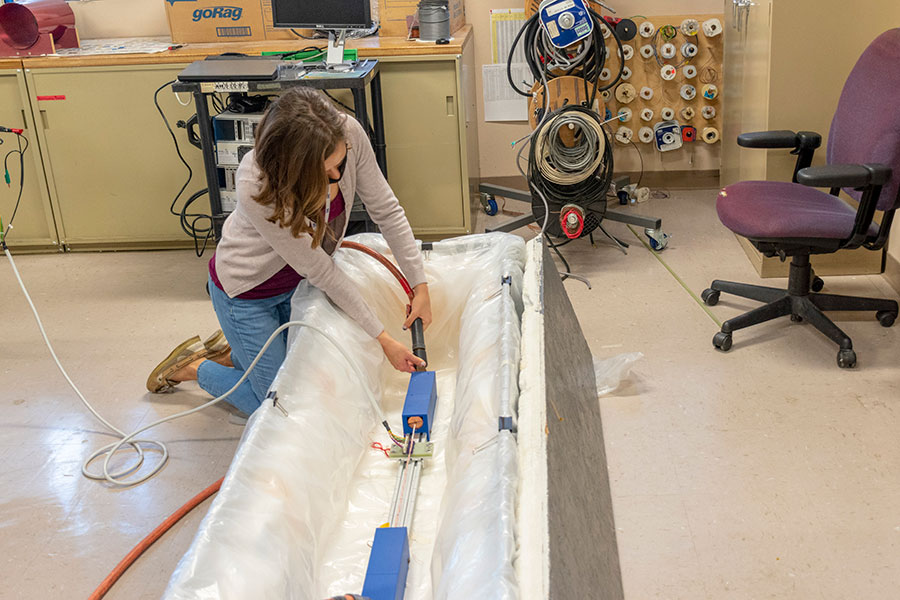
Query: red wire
{"x": 157, "y": 533}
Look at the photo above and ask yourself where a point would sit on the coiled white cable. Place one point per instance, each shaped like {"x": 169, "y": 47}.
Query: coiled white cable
{"x": 111, "y": 449}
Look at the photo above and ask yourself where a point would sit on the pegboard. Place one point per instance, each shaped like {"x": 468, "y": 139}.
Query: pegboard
{"x": 645, "y": 72}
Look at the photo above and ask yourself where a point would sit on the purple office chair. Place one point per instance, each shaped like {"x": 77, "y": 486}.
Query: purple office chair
{"x": 796, "y": 220}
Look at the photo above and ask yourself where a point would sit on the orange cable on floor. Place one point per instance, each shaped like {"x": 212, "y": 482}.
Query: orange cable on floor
{"x": 148, "y": 541}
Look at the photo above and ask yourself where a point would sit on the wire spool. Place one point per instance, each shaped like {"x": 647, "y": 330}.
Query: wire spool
{"x": 434, "y": 20}
{"x": 561, "y": 91}
{"x": 627, "y": 51}
{"x": 710, "y": 91}
{"x": 667, "y": 51}
{"x": 687, "y": 113}
{"x": 689, "y": 50}
{"x": 624, "y": 135}
{"x": 605, "y": 74}
{"x": 667, "y": 113}
{"x": 668, "y": 32}
{"x": 626, "y": 30}
{"x": 646, "y": 93}
{"x": 690, "y": 27}
{"x": 647, "y": 114}
{"x": 625, "y": 93}
{"x": 668, "y": 72}
{"x": 645, "y": 134}
{"x": 712, "y": 27}
{"x": 710, "y": 135}
{"x": 606, "y": 95}
{"x": 688, "y": 92}
{"x": 647, "y": 51}
{"x": 689, "y": 71}
{"x": 564, "y": 175}
{"x": 605, "y": 30}
{"x": 708, "y": 112}
{"x": 624, "y": 114}
{"x": 626, "y": 73}
{"x": 647, "y": 29}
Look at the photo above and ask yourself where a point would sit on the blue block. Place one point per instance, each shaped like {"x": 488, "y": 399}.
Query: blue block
{"x": 388, "y": 565}
{"x": 421, "y": 397}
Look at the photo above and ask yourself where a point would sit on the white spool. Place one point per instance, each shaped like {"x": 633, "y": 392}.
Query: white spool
{"x": 712, "y": 28}
{"x": 604, "y": 30}
{"x": 647, "y": 51}
{"x": 606, "y": 95}
{"x": 645, "y": 134}
{"x": 624, "y": 135}
{"x": 667, "y": 113}
{"x": 689, "y": 50}
{"x": 627, "y": 51}
{"x": 689, "y": 71}
{"x": 710, "y": 135}
{"x": 605, "y": 74}
{"x": 624, "y": 114}
{"x": 710, "y": 91}
{"x": 647, "y": 114}
{"x": 687, "y": 113}
{"x": 647, "y": 29}
{"x": 690, "y": 26}
{"x": 668, "y": 72}
{"x": 626, "y": 73}
{"x": 625, "y": 93}
{"x": 647, "y": 93}
{"x": 667, "y": 50}
{"x": 688, "y": 92}
{"x": 708, "y": 112}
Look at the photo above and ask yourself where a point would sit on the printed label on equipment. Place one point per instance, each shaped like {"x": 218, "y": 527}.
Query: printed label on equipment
{"x": 583, "y": 29}
{"x": 558, "y": 8}
{"x": 552, "y": 29}
{"x": 232, "y": 86}
{"x": 228, "y": 201}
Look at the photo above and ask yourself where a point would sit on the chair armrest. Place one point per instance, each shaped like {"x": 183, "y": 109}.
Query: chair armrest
{"x": 844, "y": 176}
{"x": 784, "y": 138}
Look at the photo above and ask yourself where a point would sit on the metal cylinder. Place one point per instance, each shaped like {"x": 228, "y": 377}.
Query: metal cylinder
{"x": 434, "y": 20}
{"x": 418, "y": 340}
{"x": 21, "y": 23}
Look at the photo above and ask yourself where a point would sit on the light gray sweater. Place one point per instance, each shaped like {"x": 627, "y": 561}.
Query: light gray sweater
{"x": 252, "y": 249}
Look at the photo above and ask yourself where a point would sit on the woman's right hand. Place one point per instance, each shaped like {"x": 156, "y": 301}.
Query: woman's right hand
{"x": 400, "y": 357}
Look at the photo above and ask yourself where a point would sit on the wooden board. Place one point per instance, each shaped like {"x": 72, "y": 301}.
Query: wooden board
{"x": 646, "y": 72}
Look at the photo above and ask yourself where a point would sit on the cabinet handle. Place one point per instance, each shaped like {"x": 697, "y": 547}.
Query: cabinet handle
{"x": 44, "y": 121}
{"x": 451, "y": 104}
{"x": 24, "y": 120}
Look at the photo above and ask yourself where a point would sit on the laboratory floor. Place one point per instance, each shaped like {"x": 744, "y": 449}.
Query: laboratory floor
{"x": 766, "y": 472}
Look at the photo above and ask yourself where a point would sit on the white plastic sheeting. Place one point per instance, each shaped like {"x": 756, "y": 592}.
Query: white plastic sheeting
{"x": 305, "y": 492}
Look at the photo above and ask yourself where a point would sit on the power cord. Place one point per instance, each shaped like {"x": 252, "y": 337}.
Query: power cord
{"x": 21, "y": 152}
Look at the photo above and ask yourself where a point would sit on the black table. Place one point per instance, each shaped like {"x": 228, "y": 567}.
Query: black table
{"x": 362, "y": 77}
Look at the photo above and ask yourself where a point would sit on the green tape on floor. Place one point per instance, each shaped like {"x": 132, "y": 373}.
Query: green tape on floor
{"x": 677, "y": 278}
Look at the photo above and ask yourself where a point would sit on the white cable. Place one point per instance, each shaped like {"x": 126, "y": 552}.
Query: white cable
{"x": 177, "y": 97}
{"x": 111, "y": 449}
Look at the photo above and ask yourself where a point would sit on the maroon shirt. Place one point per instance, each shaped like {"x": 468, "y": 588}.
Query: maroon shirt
{"x": 285, "y": 280}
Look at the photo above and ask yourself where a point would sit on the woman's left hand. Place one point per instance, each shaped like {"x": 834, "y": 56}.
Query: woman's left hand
{"x": 420, "y": 307}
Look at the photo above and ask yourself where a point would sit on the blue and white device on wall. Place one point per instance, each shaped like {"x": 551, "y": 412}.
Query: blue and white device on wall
{"x": 566, "y": 22}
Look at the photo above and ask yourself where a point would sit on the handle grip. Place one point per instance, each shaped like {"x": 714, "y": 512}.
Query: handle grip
{"x": 418, "y": 341}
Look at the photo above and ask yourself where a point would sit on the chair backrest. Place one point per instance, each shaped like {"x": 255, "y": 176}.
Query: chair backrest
{"x": 866, "y": 125}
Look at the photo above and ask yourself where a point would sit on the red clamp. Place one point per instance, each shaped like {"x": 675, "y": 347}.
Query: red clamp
{"x": 574, "y": 229}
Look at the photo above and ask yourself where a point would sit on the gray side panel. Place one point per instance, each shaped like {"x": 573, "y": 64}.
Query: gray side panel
{"x": 584, "y": 558}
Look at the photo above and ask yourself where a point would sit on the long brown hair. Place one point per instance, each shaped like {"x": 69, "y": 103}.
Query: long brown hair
{"x": 295, "y": 135}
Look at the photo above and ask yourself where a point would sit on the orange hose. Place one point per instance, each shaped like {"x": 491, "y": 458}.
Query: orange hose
{"x": 388, "y": 264}
{"x": 157, "y": 533}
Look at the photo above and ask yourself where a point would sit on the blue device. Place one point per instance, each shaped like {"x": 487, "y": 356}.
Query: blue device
{"x": 388, "y": 565}
{"x": 421, "y": 397}
{"x": 566, "y": 22}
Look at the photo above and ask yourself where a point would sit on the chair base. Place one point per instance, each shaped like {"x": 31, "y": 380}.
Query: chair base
{"x": 801, "y": 304}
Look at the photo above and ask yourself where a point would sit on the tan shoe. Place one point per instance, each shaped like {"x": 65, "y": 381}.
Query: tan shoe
{"x": 216, "y": 346}
{"x": 183, "y": 355}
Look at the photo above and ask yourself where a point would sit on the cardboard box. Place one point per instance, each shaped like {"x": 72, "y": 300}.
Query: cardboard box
{"x": 393, "y": 13}
{"x": 200, "y": 21}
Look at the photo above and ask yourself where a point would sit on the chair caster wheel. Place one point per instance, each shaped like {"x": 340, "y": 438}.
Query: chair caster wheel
{"x": 710, "y": 297}
{"x": 817, "y": 284}
{"x": 846, "y": 358}
{"x": 489, "y": 204}
{"x": 722, "y": 341}
{"x": 796, "y": 318}
{"x": 886, "y": 318}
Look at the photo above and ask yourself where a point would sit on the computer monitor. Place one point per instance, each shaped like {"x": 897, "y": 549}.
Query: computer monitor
{"x": 322, "y": 14}
{"x": 334, "y": 16}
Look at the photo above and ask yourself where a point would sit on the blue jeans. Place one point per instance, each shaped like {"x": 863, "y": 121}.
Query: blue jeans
{"x": 247, "y": 324}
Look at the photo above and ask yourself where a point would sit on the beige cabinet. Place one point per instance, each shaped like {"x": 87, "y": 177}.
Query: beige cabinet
{"x": 110, "y": 163}
{"x": 785, "y": 65}
{"x": 34, "y": 227}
